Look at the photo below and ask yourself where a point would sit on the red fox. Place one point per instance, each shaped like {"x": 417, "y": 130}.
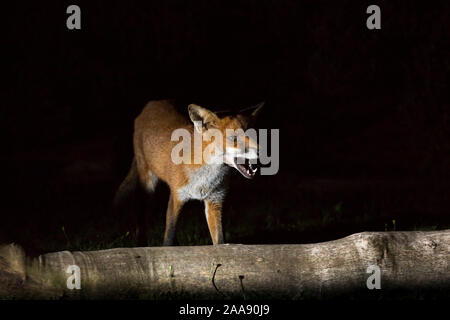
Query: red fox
{"x": 205, "y": 181}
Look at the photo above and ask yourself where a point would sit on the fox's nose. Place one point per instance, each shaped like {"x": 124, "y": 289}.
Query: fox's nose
{"x": 251, "y": 153}
{"x": 253, "y": 150}
{"x": 249, "y": 149}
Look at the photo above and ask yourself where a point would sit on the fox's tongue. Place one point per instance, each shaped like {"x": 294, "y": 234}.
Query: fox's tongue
{"x": 246, "y": 168}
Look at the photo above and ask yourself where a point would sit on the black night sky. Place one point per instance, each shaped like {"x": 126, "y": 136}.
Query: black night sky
{"x": 363, "y": 115}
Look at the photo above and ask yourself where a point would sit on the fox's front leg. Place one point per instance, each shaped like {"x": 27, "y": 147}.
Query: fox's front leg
{"x": 213, "y": 212}
{"x": 173, "y": 209}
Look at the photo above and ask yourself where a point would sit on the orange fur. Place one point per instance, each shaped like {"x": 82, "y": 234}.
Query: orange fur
{"x": 152, "y": 162}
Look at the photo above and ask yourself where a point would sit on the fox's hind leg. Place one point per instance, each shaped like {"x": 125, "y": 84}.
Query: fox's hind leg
{"x": 148, "y": 182}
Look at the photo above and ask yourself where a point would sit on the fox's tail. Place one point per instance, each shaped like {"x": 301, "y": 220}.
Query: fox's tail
{"x": 127, "y": 187}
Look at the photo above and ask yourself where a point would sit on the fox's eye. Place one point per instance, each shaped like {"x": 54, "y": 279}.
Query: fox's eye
{"x": 232, "y": 138}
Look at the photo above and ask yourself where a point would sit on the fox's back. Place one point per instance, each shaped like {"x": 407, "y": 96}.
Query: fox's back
{"x": 152, "y": 141}
{"x": 158, "y": 119}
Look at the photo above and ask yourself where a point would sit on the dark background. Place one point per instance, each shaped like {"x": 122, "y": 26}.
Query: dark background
{"x": 363, "y": 115}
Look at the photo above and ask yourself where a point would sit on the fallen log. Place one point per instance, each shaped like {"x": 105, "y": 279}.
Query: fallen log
{"x": 362, "y": 262}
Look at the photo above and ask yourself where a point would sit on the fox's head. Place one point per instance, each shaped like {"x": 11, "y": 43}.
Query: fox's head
{"x": 228, "y": 137}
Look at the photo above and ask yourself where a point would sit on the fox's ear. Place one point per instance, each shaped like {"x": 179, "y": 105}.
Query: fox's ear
{"x": 202, "y": 117}
{"x": 257, "y": 109}
{"x": 250, "y": 114}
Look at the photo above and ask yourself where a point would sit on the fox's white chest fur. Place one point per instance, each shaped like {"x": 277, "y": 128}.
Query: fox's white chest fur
{"x": 206, "y": 182}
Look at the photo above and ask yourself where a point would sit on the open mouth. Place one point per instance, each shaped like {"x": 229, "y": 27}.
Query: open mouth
{"x": 246, "y": 168}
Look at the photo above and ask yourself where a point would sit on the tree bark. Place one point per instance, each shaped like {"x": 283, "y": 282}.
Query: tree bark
{"x": 408, "y": 261}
